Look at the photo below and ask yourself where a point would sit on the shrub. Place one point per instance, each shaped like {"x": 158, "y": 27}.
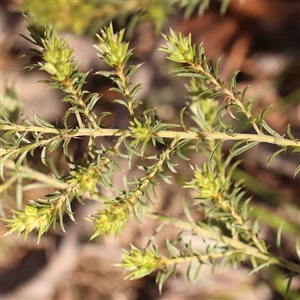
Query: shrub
{"x": 156, "y": 147}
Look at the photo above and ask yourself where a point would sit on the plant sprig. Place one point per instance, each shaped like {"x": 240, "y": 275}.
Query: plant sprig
{"x": 233, "y": 236}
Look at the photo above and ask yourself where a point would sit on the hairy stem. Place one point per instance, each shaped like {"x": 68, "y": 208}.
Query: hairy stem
{"x": 262, "y": 138}
{"x": 204, "y": 257}
{"x": 230, "y": 95}
{"x": 236, "y": 244}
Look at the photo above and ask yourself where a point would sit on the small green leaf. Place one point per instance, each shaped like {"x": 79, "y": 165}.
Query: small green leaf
{"x": 278, "y": 237}
{"x": 274, "y": 155}
{"x": 41, "y": 122}
{"x": 181, "y": 114}
{"x": 166, "y": 179}
{"x": 216, "y": 68}
{"x": 108, "y": 74}
{"x": 262, "y": 114}
{"x": 122, "y": 102}
{"x": 288, "y": 286}
{"x": 264, "y": 265}
{"x": 264, "y": 125}
{"x": 2, "y": 162}
{"x": 240, "y": 150}
{"x": 188, "y": 272}
{"x": 255, "y": 226}
{"x": 224, "y": 6}
{"x": 202, "y": 7}
{"x": 245, "y": 92}
{"x": 211, "y": 156}
{"x": 288, "y": 131}
{"x": 253, "y": 262}
{"x": 215, "y": 95}
{"x": 270, "y": 130}
{"x": 131, "y": 69}
{"x": 92, "y": 99}
{"x": 135, "y": 90}
{"x": 189, "y": 74}
{"x": 196, "y": 273}
{"x": 172, "y": 249}
{"x": 54, "y": 145}
{"x": 171, "y": 166}
{"x": 23, "y": 154}
{"x": 221, "y": 121}
{"x": 43, "y": 156}
{"x": 233, "y": 81}
{"x": 250, "y": 103}
{"x": 297, "y": 171}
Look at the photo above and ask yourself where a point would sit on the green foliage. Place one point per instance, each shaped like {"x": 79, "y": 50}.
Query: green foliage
{"x": 112, "y": 220}
{"x": 233, "y": 236}
{"x": 32, "y": 218}
{"x": 141, "y": 264}
{"x": 67, "y": 15}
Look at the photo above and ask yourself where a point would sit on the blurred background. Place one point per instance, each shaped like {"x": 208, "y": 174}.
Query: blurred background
{"x": 259, "y": 38}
